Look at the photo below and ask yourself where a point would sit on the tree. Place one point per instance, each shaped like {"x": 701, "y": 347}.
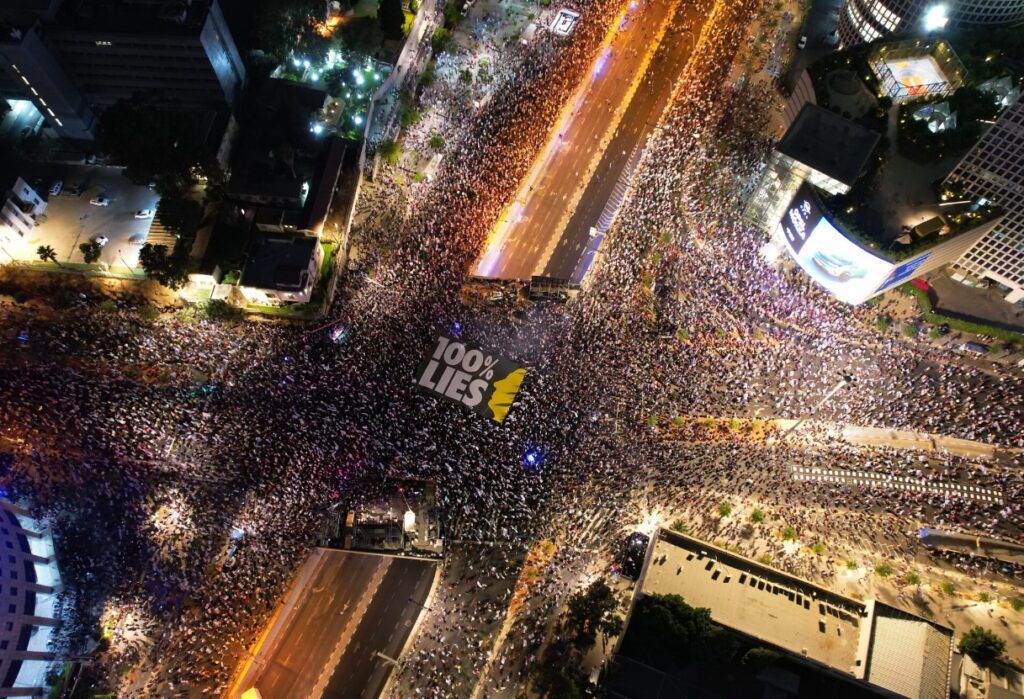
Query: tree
{"x": 181, "y": 215}
{"x": 724, "y": 509}
{"x": 592, "y": 612}
{"x": 981, "y": 645}
{"x": 91, "y": 251}
{"x": 912, "y": 579}
{"x": 47, "y": 254}
{"x": 389, "y": 151}
{"x": 759, "y": 658}
{"x": 392, "y": 19}
{"x": 169, "y": 269}
{"x": 436, "y": 141}
{"x": 154, "y": 141}
{"x": 667, "y": 632}
{"x": 883, "y": 570}
{"x": 441, "y": 40}
{"x": 282, "y": 27}
{"x": 757, "y": 516}
{"x": 947, "y": 588}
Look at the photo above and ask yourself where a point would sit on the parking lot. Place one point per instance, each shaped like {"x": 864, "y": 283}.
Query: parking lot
{"x": 71, "y": 220}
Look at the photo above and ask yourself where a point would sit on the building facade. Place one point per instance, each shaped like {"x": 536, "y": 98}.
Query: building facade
{"x": 73, "y": 63}
{"x": 994, "y": 170}
{"x": 862, "y": 21}
{"x": 30, "y": 583}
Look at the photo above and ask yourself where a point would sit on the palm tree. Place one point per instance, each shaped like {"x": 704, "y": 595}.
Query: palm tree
{"x": 47, "y": 254}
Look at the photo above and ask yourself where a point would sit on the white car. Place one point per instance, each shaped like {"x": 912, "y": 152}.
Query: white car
{"x": 101, "y": 240}
{"x": 57, "y": 187}
{"x": 802, "y": 43}
{"x": 100, "y": 201}
{"x": 145, "y": 213}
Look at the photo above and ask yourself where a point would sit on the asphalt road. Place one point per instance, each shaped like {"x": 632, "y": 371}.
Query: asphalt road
{"x": 546, "y": 198}
{"x": 637, "y": 124}
{"x": 546, "y": 230}
{"x": 354, "y": 606}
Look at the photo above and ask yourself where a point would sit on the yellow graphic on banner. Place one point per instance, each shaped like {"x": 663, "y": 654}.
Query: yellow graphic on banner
{"x": 505, "y": 391}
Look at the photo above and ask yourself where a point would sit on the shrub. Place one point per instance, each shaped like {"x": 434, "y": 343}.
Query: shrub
{"x": 724, "y": 509}
{"x": 883, "y": 570}
{"x": 909, "y": 330}
{"x": 788, "y": 533}
{"x": 947, "y": 588}
{"x": 883, "y": 323}
{"x": 389, "y": 151}
{"x": 1018, "y": 604}
{"x": 451, "y": 15}
{"x": 436, "y": 141}
{"x": 680, "y": 526}
{"x": 851, "y": 565}
{"x": 440, "y": 42}
{"x": 818, "y": 548}
{"x": 757, "y": 516}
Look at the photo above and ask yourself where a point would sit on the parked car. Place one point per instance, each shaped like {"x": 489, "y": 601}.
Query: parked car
{"x": 145, "y": 213}
{"x": 101, "y": 240}
{"x": 802, "y": 43}
{"x": 57, "y": 187}
{"x": 974, "y": 348}
{"x": 101, "y": 200}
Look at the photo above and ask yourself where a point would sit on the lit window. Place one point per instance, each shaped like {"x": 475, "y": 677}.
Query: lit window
{"x": 103, "y": 43}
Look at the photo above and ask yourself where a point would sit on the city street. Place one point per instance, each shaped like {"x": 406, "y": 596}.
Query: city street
{"x": 192, "y": 462}
{"x": 326, "y": 641}
{"x": 575, "y": 174}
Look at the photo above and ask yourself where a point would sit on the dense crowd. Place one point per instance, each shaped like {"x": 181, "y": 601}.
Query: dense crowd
{"x": 146, "y": 441}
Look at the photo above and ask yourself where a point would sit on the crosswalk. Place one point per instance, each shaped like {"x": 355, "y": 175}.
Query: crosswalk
{"x": 910, "y": 484}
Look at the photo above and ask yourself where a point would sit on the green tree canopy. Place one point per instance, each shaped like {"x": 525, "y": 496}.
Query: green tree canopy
{"x": 592, "y": 612}
{"x": 47, "y": 254}
{"x": 90, "y": 251}
{"x": 154, "y": 141}
{"x": 286, "y": 26}
{"x": 981, "y": 645}
{"x": 180, "y": 215}
{"x": 667, "y": 632}
{"x": 167, "y": 268}
{"x": 392, "y": 19}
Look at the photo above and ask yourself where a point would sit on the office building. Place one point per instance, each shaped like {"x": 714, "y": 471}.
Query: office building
{"x": 73, "y": 60}
{"x": 994, "y": 170}
{"x": 820, "y": 147}
{"x": 31, "y": 584}
{"x": 862, "y": 21}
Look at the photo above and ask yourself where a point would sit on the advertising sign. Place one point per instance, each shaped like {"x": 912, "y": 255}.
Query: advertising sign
{"x": 801, "y": 218}
{"x": 849, "y": 271}
{"x": 904, "y": 271}
{"x": 471, "y": 377}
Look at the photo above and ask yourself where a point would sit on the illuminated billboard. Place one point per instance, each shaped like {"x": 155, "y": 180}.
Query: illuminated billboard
{"x": 849, "y": 271}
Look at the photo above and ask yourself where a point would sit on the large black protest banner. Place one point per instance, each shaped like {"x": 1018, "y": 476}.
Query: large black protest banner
{"x": 471, "y": 377}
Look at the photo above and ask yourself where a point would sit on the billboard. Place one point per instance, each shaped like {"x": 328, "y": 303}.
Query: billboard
{"x": 470, "y": 377}
{"x": 904, "y": 271}
{"x": 837, "y": 263}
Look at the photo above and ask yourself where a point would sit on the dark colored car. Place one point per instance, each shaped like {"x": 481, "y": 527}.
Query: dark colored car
{"x": 633, "y": 554}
